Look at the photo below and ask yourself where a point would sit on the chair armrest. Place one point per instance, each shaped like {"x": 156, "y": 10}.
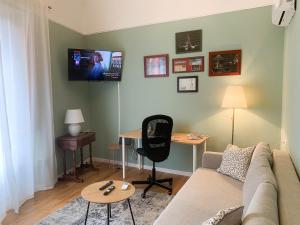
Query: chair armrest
{"x": 212, "y": 160}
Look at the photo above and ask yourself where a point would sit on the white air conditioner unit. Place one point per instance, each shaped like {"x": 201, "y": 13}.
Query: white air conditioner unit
{"x": 283, "y": 12}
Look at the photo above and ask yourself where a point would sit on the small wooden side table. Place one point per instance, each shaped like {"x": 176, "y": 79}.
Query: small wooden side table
{"x": 92, "y": 194}
{"x": 72, "y": 143}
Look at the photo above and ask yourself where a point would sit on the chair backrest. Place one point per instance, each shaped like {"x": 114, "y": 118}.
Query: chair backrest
{"x": 156, "y": 137}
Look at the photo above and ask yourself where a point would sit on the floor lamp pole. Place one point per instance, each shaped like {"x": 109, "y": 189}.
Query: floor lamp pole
{"x": 232, "y": 135}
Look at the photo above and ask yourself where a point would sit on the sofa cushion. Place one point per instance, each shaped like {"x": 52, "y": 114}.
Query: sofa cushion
{"x": 259, "y": 172}
{"x": 236, "y": 161}
{"x": 211, "y": 160}
{"x": 263, "y": 207}
{"x": 203, "y": 195}
{"x": 263, "y": 150}
{"x": 232, "y": 216}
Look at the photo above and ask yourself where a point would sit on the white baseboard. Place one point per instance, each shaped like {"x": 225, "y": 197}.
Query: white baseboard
{"x": 160, "y": 169}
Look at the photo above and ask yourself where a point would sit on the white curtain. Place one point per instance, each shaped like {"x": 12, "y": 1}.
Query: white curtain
{"x": 27, "y": 156}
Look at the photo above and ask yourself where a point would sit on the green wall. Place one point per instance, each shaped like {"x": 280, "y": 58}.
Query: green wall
{"x": 66, "y": 95}
{"x": 291, "y": 119}
{"x": 262, "y": 59}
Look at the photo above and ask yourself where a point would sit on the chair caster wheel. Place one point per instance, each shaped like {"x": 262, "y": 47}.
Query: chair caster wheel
{"x": 143, "y": 195}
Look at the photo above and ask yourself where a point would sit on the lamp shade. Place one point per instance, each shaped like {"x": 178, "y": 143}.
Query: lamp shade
{"x": 234, "y": 97}
{"x": 74, "y": 116}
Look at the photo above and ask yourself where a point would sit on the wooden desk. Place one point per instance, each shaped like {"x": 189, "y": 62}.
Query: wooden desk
{"x": 72, "y": 143}
{"x": 177, "y": 137}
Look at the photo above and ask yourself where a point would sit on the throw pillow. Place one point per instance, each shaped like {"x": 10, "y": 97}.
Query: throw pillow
{"x": 231, "y": 216}
{"x": 235, "y": 162}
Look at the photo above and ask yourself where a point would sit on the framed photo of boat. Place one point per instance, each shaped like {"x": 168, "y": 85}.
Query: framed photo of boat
{"x": 225, "y": 63}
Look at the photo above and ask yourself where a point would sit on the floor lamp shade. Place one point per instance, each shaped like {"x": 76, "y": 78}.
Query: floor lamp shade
{"x": 74, "y": 117}
{"x": 234, "y": 98}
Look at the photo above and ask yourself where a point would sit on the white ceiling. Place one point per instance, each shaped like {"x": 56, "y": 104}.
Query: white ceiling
{"x": 96, "y": 16}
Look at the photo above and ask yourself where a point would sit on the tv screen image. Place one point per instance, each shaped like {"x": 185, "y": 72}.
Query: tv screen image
{"x": 95, "y": 65}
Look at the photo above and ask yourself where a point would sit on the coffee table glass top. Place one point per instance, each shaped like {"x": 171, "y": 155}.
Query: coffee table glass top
{"x": 92, "y": 193}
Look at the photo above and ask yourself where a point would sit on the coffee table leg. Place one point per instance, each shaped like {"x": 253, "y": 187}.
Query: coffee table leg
{"x": 130, "y": 210}
{"x": 108, "y": 214}
{"x": 109, "y": 210}
{"x": 87, "y": 213}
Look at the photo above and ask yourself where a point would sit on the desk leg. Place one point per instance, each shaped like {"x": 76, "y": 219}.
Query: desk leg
{"x": 123, "y": 156}
{"x": 194, "y": 157}
{"x": 204, "y": 146}
{"x": 139, "y": 156}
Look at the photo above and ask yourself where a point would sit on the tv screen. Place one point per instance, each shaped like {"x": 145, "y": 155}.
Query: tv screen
{"x": 94, "y": 65}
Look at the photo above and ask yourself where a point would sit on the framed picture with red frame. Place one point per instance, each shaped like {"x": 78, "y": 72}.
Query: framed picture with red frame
{"x": 188, "y": 64}
{"x": 156, "y": 66}
{"x": 225, "y": 63}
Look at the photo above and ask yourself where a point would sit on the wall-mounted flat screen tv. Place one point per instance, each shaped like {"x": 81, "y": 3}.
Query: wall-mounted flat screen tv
{"x": 94, "y": 65}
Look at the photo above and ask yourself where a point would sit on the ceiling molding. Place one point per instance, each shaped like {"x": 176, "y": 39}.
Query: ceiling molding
{"x": 98, "y": 16}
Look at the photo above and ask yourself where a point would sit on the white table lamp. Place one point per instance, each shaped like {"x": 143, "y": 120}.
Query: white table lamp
{"x": 234, "y": 98}
{"x": 74, "y": 117}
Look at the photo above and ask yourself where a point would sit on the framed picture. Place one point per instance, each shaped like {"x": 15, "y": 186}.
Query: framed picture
{"x": 187, "y": 65}
{"x": 225, "y": 63}
{"x": 156, "y": 66}
{"x": 188, "y": 41}
{"x": 187, "y": 84}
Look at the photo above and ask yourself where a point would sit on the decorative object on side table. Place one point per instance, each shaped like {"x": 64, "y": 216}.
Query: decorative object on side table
{"x": 188, "y": 41}
{"x": 225, "y": 63}
{"x": 235, "y": 99}
{"x": 72, "y": 143}
{"x": 187, "y": 84}
{"x": 156, "y": 66}
{"x": 74, "y": 117}
{"x": 189, "y": 64}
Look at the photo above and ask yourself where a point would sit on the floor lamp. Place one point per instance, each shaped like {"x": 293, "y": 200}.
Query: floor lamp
{"x": 234, "y": 98}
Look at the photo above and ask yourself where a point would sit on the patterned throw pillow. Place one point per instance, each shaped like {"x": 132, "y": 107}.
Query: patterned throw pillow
{"x": 236, "y": 161}
{"x": 231, "y": 216}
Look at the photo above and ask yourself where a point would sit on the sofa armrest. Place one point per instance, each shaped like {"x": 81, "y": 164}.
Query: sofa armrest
{"x": 212, "y": 160}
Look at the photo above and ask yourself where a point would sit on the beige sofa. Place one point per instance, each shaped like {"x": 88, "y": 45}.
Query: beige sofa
{"x": 270, "y": 194}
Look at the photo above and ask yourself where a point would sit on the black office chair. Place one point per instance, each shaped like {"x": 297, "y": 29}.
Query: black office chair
{"x": 156, "y": 140}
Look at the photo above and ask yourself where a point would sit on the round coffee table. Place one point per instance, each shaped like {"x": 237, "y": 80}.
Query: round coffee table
{"x": 92, "y": 194}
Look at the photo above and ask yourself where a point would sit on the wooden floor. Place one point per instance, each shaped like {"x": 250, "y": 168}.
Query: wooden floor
{"x": 46, "y": 202}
